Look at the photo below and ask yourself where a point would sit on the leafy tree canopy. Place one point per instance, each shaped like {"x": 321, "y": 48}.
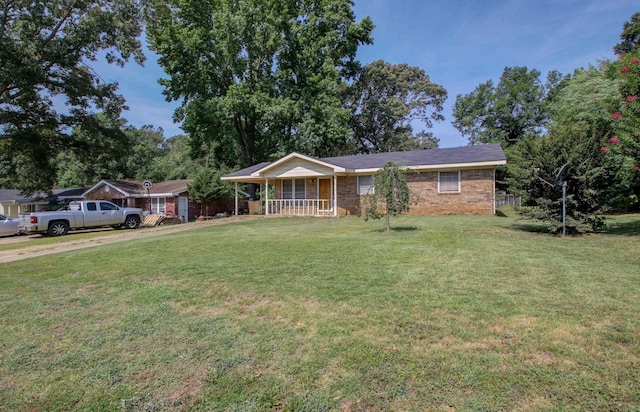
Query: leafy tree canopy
{"x": 46, "y": 48}
{"x": 630, "y": 36}
{"x": 506, "y": 112}
{"x": 581, "y": 125}
{"x": 207, "y": 185}
{"x": 385, "y": 99}
{"x": 259, "y": 78}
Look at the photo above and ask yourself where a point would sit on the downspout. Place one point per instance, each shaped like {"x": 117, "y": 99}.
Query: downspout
{"x": 493, "y": 196}
{"x": 335, "y": 195}
{"x": 236, "y": 198}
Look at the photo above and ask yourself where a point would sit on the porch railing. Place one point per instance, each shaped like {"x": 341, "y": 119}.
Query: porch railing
{"x": 300, "y": 207}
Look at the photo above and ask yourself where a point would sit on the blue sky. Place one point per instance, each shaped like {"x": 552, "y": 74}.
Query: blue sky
{"x": 459, "y": 44}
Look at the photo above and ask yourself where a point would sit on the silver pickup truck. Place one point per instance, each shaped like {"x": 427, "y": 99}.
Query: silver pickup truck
{"x": 80, "y": 215}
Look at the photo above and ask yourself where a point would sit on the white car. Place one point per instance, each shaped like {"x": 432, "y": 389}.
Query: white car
{"x": 8, "y": 226}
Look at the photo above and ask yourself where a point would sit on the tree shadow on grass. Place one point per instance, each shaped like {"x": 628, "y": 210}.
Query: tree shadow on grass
{"x": 628, "y": 227}
{"x": 403, "y": 228}
{"x": 532, "y": 227}
{"x": 397, "y": 229}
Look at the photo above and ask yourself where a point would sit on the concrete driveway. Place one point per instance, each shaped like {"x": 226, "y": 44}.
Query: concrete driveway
{"x": 67, "y": 242}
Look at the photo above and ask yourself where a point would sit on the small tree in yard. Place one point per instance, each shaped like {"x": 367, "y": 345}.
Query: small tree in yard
{"x": 389, "y": 187}
{"x": 206, "y": 185}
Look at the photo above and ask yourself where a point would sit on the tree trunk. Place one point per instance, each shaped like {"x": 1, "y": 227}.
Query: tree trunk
{"x": 387, "y": 219}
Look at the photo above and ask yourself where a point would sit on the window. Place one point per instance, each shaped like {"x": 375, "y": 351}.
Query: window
{"x": 158, "y": 204}
{"x": 92, "y": 207}
{"x": 449, "y": 182}
{"x": 365, "y": 184}
{"x": 300, "y": 189}
{"x": 293, "y": 189}
{"x": 287, "y": 191}
{"x": 107, "y": 206}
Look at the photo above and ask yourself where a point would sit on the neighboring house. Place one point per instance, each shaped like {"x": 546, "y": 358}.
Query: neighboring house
{"x": 443, "y": 181}
{"x": 170, "y": 198}
{"x": 12, "y": 202}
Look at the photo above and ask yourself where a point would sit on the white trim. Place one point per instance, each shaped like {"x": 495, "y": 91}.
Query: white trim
{"x": 104, "y": 182}
{"x": 290, "y": 156}
{"x": 436, "y": 167}
{"x": 371, "y": 185}
{"x": 493, "y": 196}
{"x": 293, "y": 188}
{"x": 459, "y": 181}
{"x": 266, "y": 196}
{"x": 158, "y": 204}
{"x": 168, "y": 194}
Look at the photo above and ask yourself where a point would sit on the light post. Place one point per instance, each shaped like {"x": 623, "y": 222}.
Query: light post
{"x": 555, "y": 183}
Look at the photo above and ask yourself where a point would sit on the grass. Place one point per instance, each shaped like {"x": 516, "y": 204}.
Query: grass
{"x": 73, "y": 236}
{"x": 444, "y": 313}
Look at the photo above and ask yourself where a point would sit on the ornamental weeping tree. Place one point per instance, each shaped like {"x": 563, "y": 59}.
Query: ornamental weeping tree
{"x": 390, "y": 193}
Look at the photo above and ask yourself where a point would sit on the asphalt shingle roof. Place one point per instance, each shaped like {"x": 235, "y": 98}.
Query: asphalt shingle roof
{"x": 415, "y": 158}
{"x": 465, "y": 154}
{"x": 247, "y": 171}
{"x": 134, "y": 187}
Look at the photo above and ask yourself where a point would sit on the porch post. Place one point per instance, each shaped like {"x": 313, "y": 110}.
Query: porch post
{"x": 266, "y": 196}
{"x": 236, "y": 198}
{"x": 335, "y": 195}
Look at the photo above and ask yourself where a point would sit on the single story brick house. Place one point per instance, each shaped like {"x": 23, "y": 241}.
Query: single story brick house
{"x": 457, "y": 180}
{"x": 13, "y": 202}
{"x": 170, "y": 197}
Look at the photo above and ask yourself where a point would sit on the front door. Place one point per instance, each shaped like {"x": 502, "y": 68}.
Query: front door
{"x": 183, "y": 208}
{"x": 324, "y": 194}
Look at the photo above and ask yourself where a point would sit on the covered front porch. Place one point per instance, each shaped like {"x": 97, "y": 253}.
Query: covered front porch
{"x": 302, "y": 196}
{"x": 295, "y": 185}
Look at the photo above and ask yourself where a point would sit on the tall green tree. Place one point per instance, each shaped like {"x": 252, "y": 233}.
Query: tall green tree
{"x": 391, "y": 191}
{"x": 260, "y": 77}
{"x": 581, "y": 125}
{"x": 207, "y": 185}
{"x": 630, "y": 36}
{"x": 176, "y": 160}
{"x": 130, "y": 158}
{"x": 93, "y": 157}
{"x": 506, "y": 112}
{"x": 47, "y": 85}
{"x": 147, "y": 144}
{"x": 385, "y": 100}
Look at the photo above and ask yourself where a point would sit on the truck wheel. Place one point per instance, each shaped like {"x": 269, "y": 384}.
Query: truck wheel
{"x": 58, "y": 228}
{"x": 132, "y": 222}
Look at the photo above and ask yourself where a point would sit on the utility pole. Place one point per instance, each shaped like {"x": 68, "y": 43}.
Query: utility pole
{"x": 555, "y": 183}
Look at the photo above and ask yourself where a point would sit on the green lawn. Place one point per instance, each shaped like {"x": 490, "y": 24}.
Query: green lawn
{"x": 444, "y": 313}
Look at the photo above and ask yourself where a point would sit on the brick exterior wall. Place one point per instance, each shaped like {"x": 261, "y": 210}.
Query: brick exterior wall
{"x": 476, "y": 194}
{"x": 105, "y": 192}
{"x": 209, "y": 208}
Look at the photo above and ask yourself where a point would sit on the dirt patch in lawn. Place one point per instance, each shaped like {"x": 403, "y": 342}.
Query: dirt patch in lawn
{"x": 67, "y": 243}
